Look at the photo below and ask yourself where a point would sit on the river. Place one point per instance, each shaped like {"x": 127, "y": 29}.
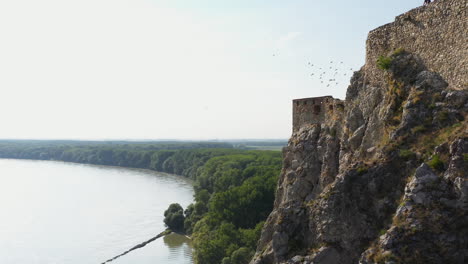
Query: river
{"x": 66, "y": 213}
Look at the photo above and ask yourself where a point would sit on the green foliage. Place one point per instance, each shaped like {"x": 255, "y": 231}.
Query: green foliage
{"x": 174, "y": 217}
{"x": 384, "y": 62}
{"x": 418, "y": 129}
{"x": 442, "y": 116}
{"x": 384, "y": 257}
{"x": 234, "y": 188}
{"x": 241, "y": 189}
{"x": 237, "y": 204}
{"x": 195, "y": 214}
{"x": 249, "y": 237}
{"x": 260, "y": 145}
{"x": 382, "y": 232}
{"x": 362, "y": 170}
{"x": 173, "y": 208}
{"x": 202, "y": 196}
{"x": 399, "y": 51}
{"x": 158, "y": 159}
{"x": 241, "y": 256}
{"x": 465, "y": 157}
{"x": 436, "y": 163}
{"x": 178, "y": 158}
{"x": 407, "y": 154}
{"x": 457, "y": 125}
{"x": 212, "y": 246}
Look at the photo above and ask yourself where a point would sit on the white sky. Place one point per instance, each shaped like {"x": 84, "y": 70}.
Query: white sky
{"x": 148, "y": 69}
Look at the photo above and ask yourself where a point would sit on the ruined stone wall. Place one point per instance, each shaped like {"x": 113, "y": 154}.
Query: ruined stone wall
{"x": 313, "y": 110}
{"x": 356, "y": 188}
{"x": 438, "y": 33}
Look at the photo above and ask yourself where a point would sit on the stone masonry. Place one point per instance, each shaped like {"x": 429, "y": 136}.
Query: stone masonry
{"x": 436, "y": 32}
{"x": 314, "y": 110}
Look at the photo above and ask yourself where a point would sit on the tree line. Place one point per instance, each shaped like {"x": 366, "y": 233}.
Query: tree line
{"x": 234, "y": 188}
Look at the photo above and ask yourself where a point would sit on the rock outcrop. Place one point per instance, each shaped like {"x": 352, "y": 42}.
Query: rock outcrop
{"x": 384, "y": 179}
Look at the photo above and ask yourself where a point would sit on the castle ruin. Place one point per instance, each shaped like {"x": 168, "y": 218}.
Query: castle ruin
{"x": 314, "y": 110}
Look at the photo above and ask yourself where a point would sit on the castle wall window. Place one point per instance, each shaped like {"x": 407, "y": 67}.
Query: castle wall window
{"x": 317, "y": 109}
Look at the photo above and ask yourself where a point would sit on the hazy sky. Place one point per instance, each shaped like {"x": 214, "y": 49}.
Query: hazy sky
{"x": 179, "y": 69}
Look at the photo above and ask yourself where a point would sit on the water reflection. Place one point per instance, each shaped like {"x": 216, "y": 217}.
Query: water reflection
{"x": 179, "y": 245}
{"x": 175, "y": 240}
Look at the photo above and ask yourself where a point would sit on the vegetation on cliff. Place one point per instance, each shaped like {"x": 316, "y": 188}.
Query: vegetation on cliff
{"x": 390, "y": 186}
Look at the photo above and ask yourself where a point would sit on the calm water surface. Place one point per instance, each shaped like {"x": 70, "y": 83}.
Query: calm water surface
{"x": 63, "y": 213}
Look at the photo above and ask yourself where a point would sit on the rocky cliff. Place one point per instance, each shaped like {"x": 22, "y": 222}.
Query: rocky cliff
{"x": 384, "y": 179}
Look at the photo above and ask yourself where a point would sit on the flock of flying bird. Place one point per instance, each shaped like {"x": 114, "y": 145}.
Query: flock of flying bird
{"x": 330, "y": 75}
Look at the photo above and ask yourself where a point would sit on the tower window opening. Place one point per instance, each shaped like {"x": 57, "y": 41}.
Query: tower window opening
{"x": 317, "y": 109}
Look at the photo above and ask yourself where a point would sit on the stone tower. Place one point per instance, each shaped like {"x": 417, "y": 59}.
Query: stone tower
{"x": 313, "y": 110}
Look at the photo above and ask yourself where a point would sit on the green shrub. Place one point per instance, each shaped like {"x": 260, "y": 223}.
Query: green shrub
{"x": 241, "y": 256}
{"x": 436, "y": 163}
{"x": 465, "y": 157}
{"x": 399, "y": 51}
{"x": 406, "y": 154}
{"x": 418, "y": 129}
{"x": 174, "y": 217}
{"x": 457, "y": 125}
{"x": 385, "y": 257}
{"x": 362, "y": 170}
{"x": 442, "y": 116}
{"x": 384, "y": 62}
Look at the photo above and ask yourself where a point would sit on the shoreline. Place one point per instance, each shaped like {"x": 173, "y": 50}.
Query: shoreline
{"x": 108, "y": 166}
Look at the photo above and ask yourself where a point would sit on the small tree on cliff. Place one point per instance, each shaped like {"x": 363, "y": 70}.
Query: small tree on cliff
{"x": 174, "y": 217}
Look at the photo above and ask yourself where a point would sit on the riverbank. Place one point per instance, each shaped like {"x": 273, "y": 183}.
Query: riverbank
{"x": 56, "y": 212}
{"x": 234, "y": 189}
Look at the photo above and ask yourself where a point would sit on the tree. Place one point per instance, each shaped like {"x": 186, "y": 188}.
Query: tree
{"x": 241, "y": 256}
{"x": 174, "y": 217}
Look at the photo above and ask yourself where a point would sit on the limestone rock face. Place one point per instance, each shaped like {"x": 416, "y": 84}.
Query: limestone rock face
{"x": 384, "y": 179}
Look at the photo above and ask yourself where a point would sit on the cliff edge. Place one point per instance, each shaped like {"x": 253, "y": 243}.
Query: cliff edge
{"x": 382, "y": 176}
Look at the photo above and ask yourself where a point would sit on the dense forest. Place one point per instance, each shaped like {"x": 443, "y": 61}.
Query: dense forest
{"x": 234, "y": 186}
{"x": 171, "y": 157}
